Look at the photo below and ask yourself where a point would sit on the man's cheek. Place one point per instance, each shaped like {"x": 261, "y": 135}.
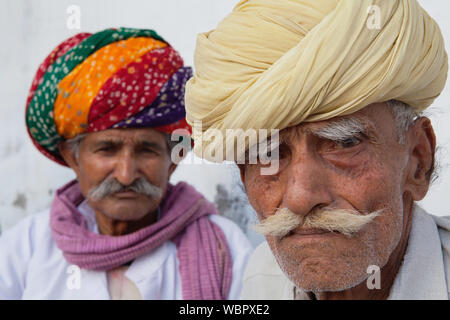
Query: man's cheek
{"x": 368, "y": 189}
{"x": 382, "y": 236}
{"x": 352, "y": 163}
{"x": 252, "y": 196}
{"x": 265, "y": 197}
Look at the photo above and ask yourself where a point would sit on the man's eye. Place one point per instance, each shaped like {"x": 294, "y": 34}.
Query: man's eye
{"x": 148, "y": 150}
{"x": 106, "y": 149}
{"x": 348, "y": 143}
{"x": 277, "y": 153}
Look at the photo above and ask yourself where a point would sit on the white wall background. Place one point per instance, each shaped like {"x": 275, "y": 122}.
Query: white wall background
{"x": 29, "y": 30}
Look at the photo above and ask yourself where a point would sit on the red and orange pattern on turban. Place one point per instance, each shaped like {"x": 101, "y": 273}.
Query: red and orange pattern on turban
{"x": 116, "y": 78}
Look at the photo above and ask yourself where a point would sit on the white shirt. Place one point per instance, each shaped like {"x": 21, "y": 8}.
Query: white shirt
{"x": 423, "y": 275}
{"x": 33, "y": 267}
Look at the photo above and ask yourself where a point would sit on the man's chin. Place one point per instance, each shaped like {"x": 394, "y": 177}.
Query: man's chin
{"x": 125, "y": 216}
{"x": 323, "y": 274}
{"x": 328, "y": 285}
{"x": 126, "y": 209}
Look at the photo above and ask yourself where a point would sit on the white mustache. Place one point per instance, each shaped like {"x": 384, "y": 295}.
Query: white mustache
{"x": 110, "y": 186}
{"x": 345, "y": 221}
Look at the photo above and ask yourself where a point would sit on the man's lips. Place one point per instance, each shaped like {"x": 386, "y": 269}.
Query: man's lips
{"x": 308, "y": 231}
{"x": 127, "y": 194}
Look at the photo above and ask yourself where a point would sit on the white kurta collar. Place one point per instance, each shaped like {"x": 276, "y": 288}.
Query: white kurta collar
{"x": 422, "y": 274}
{"x": 145, "y": 271}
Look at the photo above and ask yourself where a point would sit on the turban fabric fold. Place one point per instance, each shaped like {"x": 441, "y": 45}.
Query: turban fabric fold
{"x": 272, "y": 64}
{"x": 116, "y": 78}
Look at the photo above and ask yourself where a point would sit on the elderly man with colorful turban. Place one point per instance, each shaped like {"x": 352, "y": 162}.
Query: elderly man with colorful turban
{"x": 345, "y": 83}
{"x": 106, "y": 105}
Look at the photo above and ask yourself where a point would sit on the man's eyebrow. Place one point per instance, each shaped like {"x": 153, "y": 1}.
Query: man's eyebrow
{"x": 119, "y": 143}
{"x": 150, "y": 144}
{"x": 108, "y": 142}
{"x": 342, "y": 129}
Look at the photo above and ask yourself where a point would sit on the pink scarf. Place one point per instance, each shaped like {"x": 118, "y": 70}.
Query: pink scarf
{"x": 203, "y": 253}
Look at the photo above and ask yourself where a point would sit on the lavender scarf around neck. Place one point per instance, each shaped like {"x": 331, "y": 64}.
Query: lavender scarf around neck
{"x": 205, "y": 262}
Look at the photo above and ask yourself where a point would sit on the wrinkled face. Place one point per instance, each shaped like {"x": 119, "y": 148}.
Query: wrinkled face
{"x": 364, "y": 171}
{"x": 125, "y": 155}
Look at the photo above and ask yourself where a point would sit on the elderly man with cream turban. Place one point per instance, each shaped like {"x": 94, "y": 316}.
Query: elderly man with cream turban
{"x": 345, "y": 83}
{"x": 106, "y": 104}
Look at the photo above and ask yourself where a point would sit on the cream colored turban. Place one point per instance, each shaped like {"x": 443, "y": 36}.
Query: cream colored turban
{"x": 277, "y": 63}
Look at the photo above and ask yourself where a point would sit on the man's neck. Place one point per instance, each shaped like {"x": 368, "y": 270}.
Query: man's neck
{"x": 388, "y": 272}
{"x": 112, "y": 227}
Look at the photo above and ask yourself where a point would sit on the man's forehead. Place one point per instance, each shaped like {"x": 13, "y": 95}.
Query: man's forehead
{"x": 129, "y": 134}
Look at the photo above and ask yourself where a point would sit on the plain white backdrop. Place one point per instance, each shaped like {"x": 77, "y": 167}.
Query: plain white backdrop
{"x": 29, "y": 30}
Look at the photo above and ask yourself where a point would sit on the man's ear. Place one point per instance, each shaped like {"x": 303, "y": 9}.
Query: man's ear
{"x": 172, "y": 168}
{"x": 421, "y": 143}
{"x": 69, "y": 157}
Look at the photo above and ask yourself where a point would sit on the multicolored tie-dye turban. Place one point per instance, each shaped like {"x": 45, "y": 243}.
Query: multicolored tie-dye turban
{"x": 116, "y": 78}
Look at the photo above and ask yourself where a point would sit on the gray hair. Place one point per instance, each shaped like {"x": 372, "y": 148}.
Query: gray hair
{"x": 74, "y": 144}
{"x": 404, "y": 117}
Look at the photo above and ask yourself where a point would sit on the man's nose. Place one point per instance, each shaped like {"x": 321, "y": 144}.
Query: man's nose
{"x": 307, "y": 186}
{"x": 126, "y": 169}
